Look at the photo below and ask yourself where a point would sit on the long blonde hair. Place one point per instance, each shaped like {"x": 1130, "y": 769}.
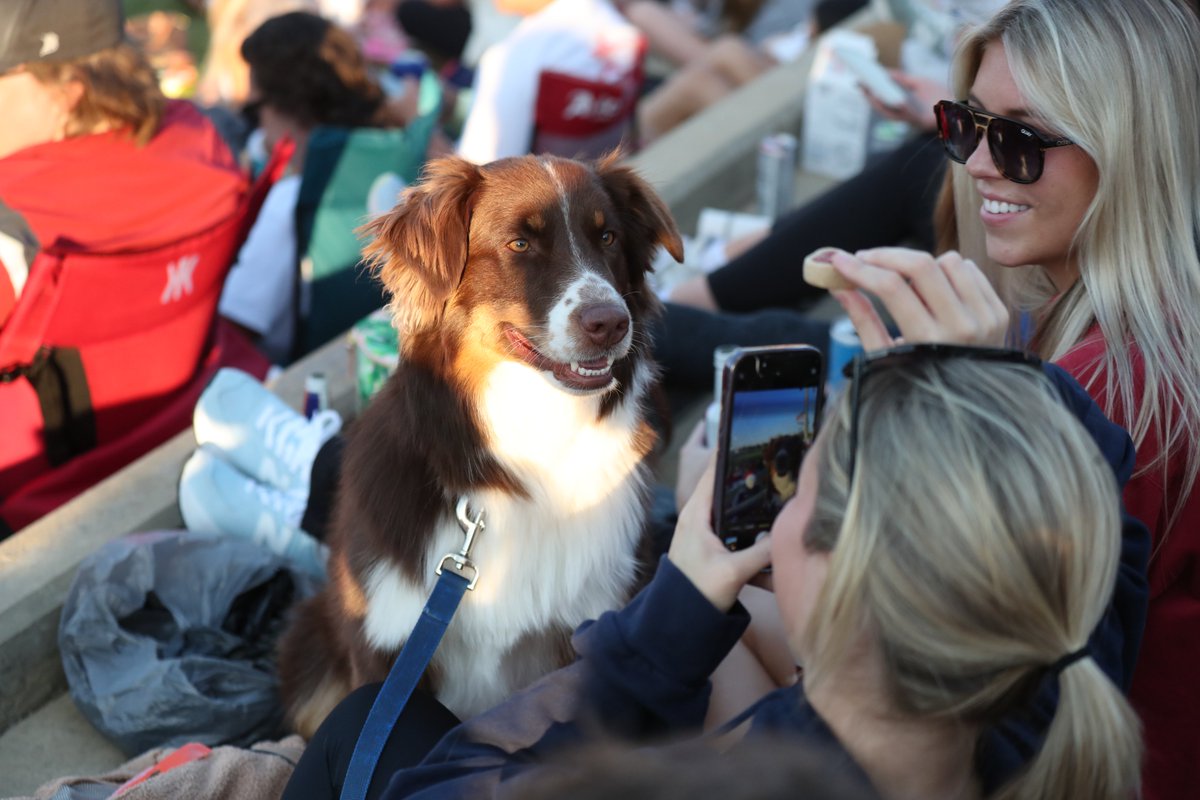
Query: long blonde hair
{"x": 978, "y": 544}
{"x": 1119, "y": 79}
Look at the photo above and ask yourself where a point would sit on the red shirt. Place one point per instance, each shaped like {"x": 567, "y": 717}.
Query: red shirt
{"x": 1166, "y": 682}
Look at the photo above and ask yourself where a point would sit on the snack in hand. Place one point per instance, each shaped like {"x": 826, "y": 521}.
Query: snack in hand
{"x": 819, "y": 270}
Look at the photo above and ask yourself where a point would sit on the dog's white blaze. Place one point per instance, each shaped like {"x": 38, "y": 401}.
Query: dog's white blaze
{"x": 564, "y": 204}
{"x": 562, "y": 556}
{"x": 589, "y": 287}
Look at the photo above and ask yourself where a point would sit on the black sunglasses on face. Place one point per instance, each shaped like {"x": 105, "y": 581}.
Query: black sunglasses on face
{"x": 1018, "y": 150}
{"x": 902, "y": 355}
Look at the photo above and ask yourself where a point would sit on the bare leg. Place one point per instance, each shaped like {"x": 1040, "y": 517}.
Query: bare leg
{"x": 739, "y": 681}
{"x": 669, "y": 34}
{"x": 736, "y": 60}
{"x": 688, "y": 91}
{"x": 694, "y": 292}
{"x": 766, "y": 637}
{"x": 760, "y": 663}
{"x": 724, "y": 66}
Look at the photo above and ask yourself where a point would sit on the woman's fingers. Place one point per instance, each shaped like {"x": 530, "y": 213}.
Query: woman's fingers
{"x": 891, "y": 285}
{"x": 947, "y": 299}
{"x": 979, "y": 296}
{"x": 694, "y": 455}
{"x": 870, "y": 328}
{"x": 700, "y": 555}
{"x": 700, "y": 500}
{"x": 754, "y": 559}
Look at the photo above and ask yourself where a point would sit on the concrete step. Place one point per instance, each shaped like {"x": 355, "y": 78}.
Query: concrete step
{"x": 53, "y": 742}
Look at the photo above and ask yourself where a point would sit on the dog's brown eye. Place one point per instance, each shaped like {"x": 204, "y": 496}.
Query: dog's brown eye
{"x": 518, "y": 245}
{"x": 607, "y": 238}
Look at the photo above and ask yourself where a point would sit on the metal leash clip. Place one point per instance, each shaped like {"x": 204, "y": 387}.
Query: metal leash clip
{"x": 460, "y": 562}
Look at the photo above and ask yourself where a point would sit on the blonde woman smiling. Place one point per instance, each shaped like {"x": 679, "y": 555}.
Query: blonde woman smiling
{"x": 1079, "y": 193}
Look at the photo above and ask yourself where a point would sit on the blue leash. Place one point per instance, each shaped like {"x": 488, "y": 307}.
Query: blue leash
{"x": 456, "y": 574}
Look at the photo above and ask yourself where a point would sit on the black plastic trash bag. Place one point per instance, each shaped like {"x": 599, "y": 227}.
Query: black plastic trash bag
{"x": 169, "y": 637}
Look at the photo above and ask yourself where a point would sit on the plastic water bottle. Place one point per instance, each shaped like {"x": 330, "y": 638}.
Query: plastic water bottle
{"x": 712, "y": 414}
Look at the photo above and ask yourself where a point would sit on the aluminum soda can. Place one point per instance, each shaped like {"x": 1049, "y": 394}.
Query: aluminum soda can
{"x": 409, "y": 65}
{"x": 776, "y": 179}
{"x": 316, "y": 394}
{"x": 844, "y": 345}
{"x": 376, "y": 354}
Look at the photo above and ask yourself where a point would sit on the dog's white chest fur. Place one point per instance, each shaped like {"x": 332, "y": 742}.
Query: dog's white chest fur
{"x": 550, "y": 561}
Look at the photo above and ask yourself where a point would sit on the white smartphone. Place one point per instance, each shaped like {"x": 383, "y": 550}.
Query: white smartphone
{"x": 872, "y": 75}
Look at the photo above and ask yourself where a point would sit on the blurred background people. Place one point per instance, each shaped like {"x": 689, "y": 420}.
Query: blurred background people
{"x": 305, "y": 71}
{"x": 93, "y": 159}
{"x": 586, "y": 39}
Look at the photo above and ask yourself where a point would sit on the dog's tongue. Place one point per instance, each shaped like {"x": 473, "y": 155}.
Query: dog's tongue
{"x": 595, "y": 363}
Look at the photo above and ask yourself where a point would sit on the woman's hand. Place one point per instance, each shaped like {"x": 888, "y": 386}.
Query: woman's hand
{"x": 694, "y": 292}
{"x": 718, "y": 573}
{"x": 694, "y": 456}
{"x": 917, "y": 111}
{"x": 944, "y": 299}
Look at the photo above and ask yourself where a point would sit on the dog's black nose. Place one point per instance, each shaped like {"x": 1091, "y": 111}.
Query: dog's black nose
{"x": 604, "y": 323}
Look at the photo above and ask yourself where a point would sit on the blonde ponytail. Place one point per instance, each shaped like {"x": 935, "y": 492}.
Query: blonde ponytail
{"x": 1080, "y": 756}
{"x": 978, "y": 544}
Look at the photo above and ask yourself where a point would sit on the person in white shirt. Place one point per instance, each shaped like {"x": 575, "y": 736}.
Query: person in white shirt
{"x": 588, "y": 39}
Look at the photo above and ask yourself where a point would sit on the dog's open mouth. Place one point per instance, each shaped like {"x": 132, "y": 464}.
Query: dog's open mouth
{"x": 587, "y": 375}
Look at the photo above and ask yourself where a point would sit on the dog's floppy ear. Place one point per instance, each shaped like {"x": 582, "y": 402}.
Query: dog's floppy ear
{"x": 420, "y": 247}
{"x": 646, "y": 215}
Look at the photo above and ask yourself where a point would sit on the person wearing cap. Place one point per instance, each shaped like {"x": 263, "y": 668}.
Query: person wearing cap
{"x": 92, "y": 155}
{"x": 95, "y": 160}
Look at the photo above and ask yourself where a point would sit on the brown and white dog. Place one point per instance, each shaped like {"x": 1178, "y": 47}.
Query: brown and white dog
{"x": 519, "y": 292}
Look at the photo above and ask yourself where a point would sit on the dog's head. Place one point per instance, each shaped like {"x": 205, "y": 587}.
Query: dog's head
{"x": 538, "y": 259}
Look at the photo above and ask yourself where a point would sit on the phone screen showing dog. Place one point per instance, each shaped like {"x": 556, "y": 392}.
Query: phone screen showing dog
{"x": 769, "y": 432}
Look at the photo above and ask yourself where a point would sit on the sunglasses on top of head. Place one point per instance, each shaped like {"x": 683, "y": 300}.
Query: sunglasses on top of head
{"x": 903, "y": 355}
{"x": 1018, "y": 150}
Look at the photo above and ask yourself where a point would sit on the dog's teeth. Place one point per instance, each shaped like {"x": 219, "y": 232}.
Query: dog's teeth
{"x": 590, "y": 373}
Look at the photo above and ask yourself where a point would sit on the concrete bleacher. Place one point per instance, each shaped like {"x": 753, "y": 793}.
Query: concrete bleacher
{"x": 43, "y": 735}
{"x": 707, "y": 161}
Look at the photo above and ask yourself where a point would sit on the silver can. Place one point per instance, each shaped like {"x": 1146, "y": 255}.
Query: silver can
{"x": 776, "y": 174}
{"x": 844, "y": 345}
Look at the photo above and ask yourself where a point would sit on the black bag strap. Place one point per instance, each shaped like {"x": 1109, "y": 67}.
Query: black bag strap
{"x": 68, "y": 419}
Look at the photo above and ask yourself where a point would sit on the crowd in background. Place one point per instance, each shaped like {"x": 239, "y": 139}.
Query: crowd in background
{"x": 119, "y": 139}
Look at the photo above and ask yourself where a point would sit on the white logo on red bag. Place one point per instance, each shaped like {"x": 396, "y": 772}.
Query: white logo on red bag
{"x": 179, "y": 278}
{"x": 582, "y": 104}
